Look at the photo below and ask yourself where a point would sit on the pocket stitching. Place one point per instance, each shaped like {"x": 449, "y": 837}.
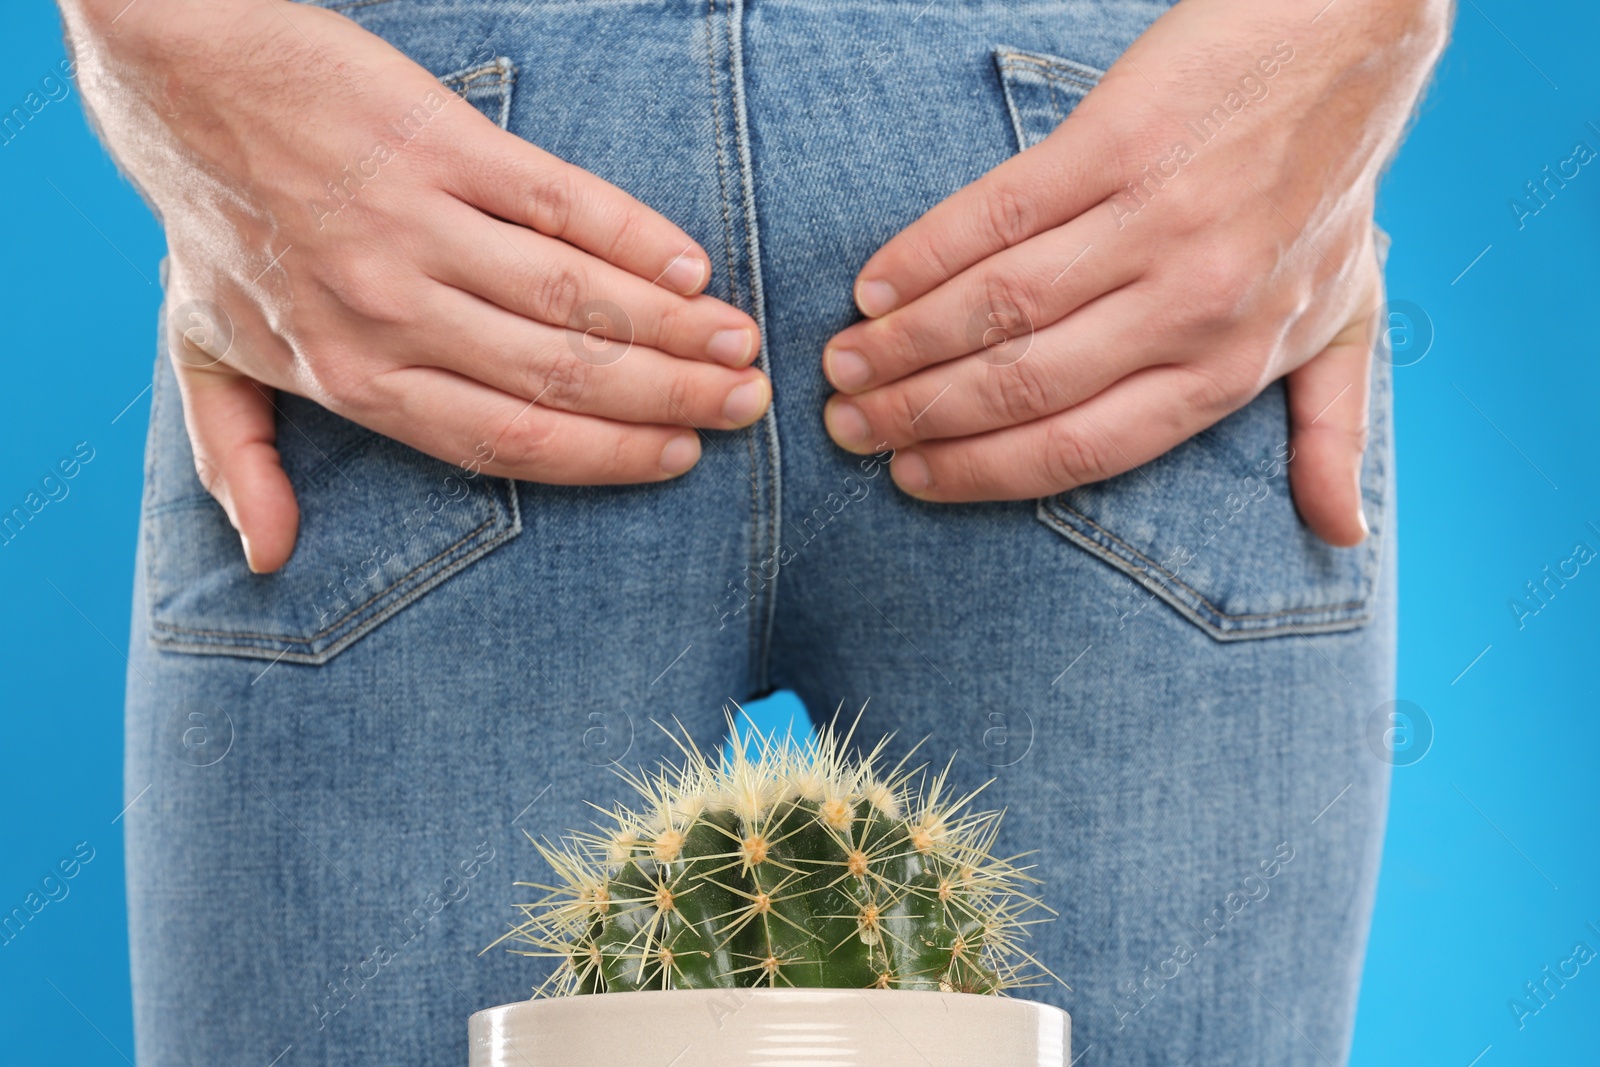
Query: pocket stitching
{"x": 1058, "y": 74}
{"x": 1080, "y": 75}
{"x": 378, "y": 619}
{"x": 459, "y": 82}
{"x": 353, "y": 613}
{"x": 1045, "y": 514}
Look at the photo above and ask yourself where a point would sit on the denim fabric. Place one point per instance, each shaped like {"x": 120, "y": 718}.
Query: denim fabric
{"x": 1167, "y": 677}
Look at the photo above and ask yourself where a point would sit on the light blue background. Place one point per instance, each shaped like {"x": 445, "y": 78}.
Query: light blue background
{"x": 1490, "y": 868}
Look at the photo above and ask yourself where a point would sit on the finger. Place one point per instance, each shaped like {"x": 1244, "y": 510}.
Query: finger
{"x": 1139, "y": 418}
{"x": 233, "y": 433}
{"x": 454, "y": 419}
{"x": 1004, "y": 298}
{"x": 551, "y": 282}
{"x": 1056, "y": 180}
{"x": 589, "y": 374}
{"x": 1328, "y": 436}
{"x": 1028, "y": 378}
{"x": 508, "y": 177}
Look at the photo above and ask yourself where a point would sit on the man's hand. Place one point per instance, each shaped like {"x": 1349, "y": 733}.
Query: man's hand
{"x": 1107, "y": 294}
{"x": 462, "y": 291}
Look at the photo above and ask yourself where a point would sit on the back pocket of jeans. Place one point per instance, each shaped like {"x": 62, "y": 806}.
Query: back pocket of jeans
{"x": 380, "y": 523}
{"x": 486, "y": 86}
{"x": 1209, "y": 528}
{"x": 1041, "y": 90}
{"x": 380, "y": 526}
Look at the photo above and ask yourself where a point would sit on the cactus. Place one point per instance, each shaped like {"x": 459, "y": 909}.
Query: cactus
{"x": 783, "y": 864}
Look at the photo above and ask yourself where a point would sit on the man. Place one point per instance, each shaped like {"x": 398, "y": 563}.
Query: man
{"x": 576, "y": 274}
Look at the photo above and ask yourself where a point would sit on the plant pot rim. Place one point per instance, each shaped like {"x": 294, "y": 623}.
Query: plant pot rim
{"x": 743, "y": 1026}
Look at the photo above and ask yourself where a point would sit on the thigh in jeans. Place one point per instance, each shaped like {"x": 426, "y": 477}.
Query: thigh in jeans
{"x": 1167, "y": 677}
{"x": 333, "y": 766}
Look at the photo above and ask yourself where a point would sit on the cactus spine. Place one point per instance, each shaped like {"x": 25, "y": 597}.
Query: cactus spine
{"x": 783, "y": 864}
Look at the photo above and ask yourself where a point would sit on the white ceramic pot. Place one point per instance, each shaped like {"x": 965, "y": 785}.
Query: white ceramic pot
{"x": 781, "y": 1027}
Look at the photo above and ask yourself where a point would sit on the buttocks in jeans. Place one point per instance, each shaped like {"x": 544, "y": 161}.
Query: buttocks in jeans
{"x": 1166, "y": 675}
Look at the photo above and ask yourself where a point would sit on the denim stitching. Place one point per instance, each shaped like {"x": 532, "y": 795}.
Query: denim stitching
{"x": 504, "y": 72}
{"x": 1156, "y": 568}
{"x": 1060, "y": 78}
{"x": 1018, "y": 126}
{"x": 353, "y": 613}
{"x": 1083, "y": 75}
{"x": 733, "y": 288}
{"x": 152, "y": 591}
{"x": 324, "y": 472}
{"x": 463, "y": 79}
{"x": 1380, "y": 446}
{"x": 192, "y": 502}
{"x": 722, "y": 174}
{"x": 367, "y": 626}
{"x": 774, "y": 466}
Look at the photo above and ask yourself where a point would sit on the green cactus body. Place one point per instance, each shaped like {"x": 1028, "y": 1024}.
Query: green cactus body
{"x": 785, "y": 864}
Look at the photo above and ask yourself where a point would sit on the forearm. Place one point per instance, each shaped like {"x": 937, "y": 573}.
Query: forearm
{"x": 96, "y": 20}
{"x": 160, "y": 82}
{"x": 1384, "y": 53}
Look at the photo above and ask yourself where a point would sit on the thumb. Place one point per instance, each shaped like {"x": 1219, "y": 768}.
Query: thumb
{"x": 1328, "y": 436}
{"x": 233, "y": 433}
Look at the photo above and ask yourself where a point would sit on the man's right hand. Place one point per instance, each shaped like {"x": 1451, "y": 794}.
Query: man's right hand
{"x": 464, "y": 292}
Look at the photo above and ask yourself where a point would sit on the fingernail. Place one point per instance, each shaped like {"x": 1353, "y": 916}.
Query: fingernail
{"x": 684, "y": 275}
{"x": 910, "y": 472}
{"x": 249, "y": 555}
{"x": 732, "y": 347}
{"x": 846, "y": 424}
{"x": 681, "y": 453}
{"x": 875, "y": 298}
{"x": 846, "y": 369}
{"x": 746, "y": 403}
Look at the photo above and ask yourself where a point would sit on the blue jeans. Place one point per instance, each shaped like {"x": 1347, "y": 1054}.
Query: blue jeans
{"x": 1167, "y": 676}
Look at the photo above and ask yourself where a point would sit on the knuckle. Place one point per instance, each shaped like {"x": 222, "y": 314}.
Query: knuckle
{"x": 890, "y": 348}
{"x": 684, "y": 395}
{"x": 1218, "y": 389}
{"x": 368, "y": 294}
{"x": 550, "y": 196}
{"x": 900, "y": 350}
{"x": 557, "y": 292}
{"x": 1010, "y": 300}
{"x": 562, "y": 383}
{"x": 670, "y": 325}
{"x": 1351, "y": 437}
{"x": 627, "y": 222}
{"x": 1009, "y": 214}
{"x": 619, "y": 458}
{"x": 366, "y": 286}
{"x": 1073, "y": 456}
{"x": 334, "y": 376}
{"x": 920, "y": 251}
{"x": 208, "y": 472}
{"x": 526, "y": 444}
{"x": 1185, "y": 207}
{"x": 894, "y": 409}
{"x": 1021, "y": 392}
{"x": 1218, "y": 285}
